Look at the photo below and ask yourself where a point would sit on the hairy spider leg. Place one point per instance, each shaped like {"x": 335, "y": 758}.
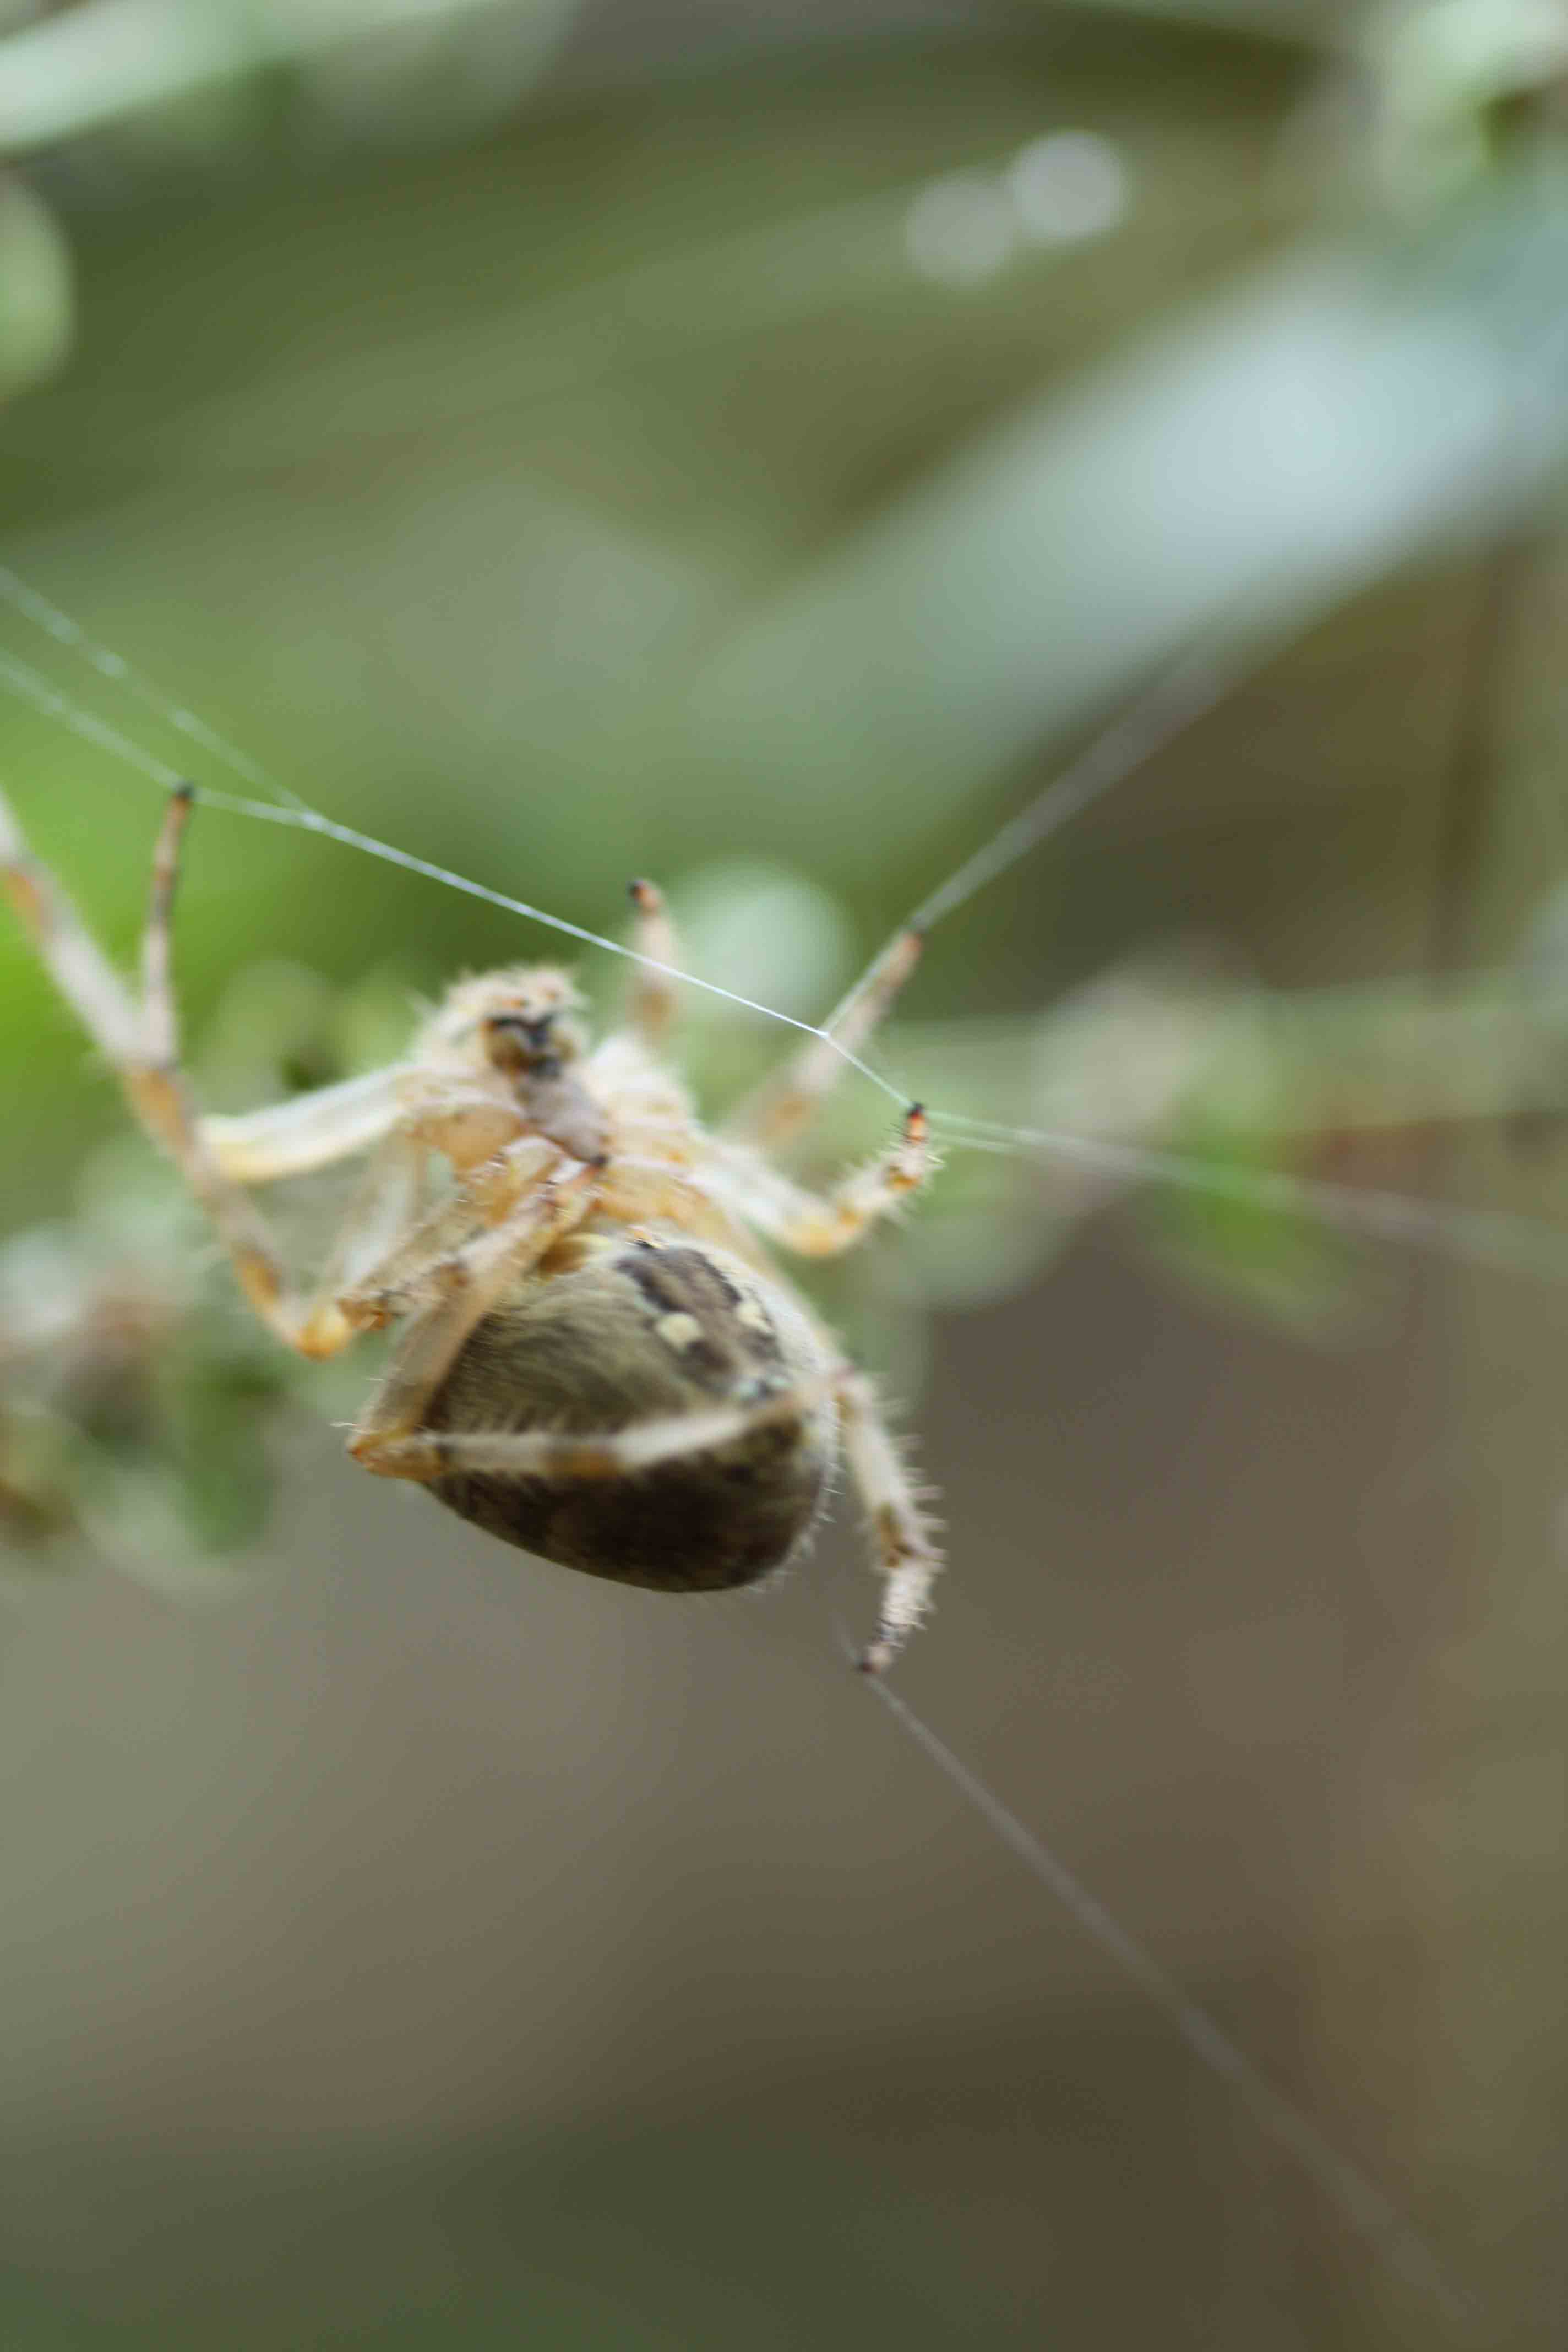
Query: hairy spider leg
{"x": 906, "y": 1556}
{"x": 466, "y": 1283}
{"x": 310, "y": 1130}
{"x": 421, "y": 1263}
{"x": 651, "y": 1000}
{"x": 141, "y": 1044}
{"x": 822, "y": 1224}
{"x": 790, "y": 1100}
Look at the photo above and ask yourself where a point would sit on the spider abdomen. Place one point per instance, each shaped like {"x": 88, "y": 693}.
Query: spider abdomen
{"x": 646, "y": 1330}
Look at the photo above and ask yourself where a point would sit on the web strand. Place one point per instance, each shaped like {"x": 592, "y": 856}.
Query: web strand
{"x": 1190, "y": 688}
{"x": 310, "y": 820}
{"x": 35, "y": 607}
{"x": 1194, "y": 685}
{"x": 1479, "y": 1237}
{"x": 52, "y": 703}
{"x": 1369, "y": 2210}
{"x": 31, "y": 686}
{"x": 1187, "y": 691}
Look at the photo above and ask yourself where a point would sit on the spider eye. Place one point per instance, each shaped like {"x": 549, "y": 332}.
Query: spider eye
{"x": 524, "y": 1039}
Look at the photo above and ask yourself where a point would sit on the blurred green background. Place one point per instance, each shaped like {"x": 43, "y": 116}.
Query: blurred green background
{"x": 754, "y": 445}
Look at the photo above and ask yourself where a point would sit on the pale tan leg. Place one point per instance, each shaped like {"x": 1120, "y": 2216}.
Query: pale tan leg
{"x": 907, "y": 1558}
{"x": 159, "y": 1019}
{"x": 469, "y": 1284}
{"x": 70, "y": 954}
{"x": 651, "y": 1001}
{"x": 383, "y": 1206}
{"x": 417, "y": 1267}
{"x": 308, "y": 1132}
{"x": 610, "y": 1453}
{"x": 784, "y": 1103}
{"x": 141, "y": 1042}
{"x": 820, "y": 1224}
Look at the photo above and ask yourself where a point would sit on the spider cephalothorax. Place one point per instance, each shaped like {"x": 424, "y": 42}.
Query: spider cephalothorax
{"x": 598, "y": 1360}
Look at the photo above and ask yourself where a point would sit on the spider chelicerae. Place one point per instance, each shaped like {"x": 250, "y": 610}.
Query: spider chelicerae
{"x": 598, "y": 1358}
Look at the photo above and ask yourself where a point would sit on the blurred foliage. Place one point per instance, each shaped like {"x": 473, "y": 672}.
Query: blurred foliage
{"x": 141, "y": 1407}
{"x": 747, "y": 445}
{"x": 177, "y": 77}
{"x": 132, "y": 1405}
{"x": 737, "y": 484}
{"x": 35, "y": 289}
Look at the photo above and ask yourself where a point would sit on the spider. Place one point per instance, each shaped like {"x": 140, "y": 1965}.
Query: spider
{"x": 598, "y": 1360}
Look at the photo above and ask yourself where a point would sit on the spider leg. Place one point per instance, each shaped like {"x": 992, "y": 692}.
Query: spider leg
{"x": 381, "y": 1209}
{"x": 384, "y": 1264}
{"x": 820, "y": 1224}
{"x": 141, "y": 1042}
{"x": 160, "y": 1016}
{"x": 651, "y": 1000}
{"x": 609, "y": 1454}
{"x": 66, "y": 948}
{"x": 786, "y": 1103}
{"x": 907, "y": 1558}
{"x": 415, "y": 1266}
{"x": 466, "y": 1286}
{"x": 310, "y": 1130}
